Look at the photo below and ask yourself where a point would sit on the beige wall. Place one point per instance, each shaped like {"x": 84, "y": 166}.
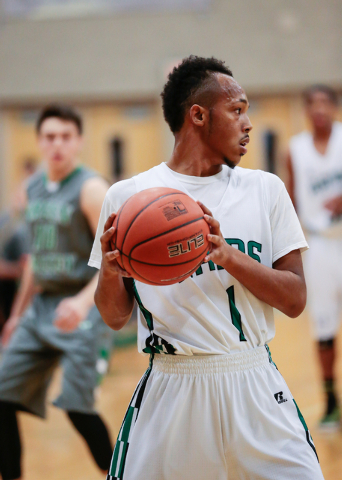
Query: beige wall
{"x": 138, "y": 126}
{"x": 145, "y": 136}
{"x": 271, "y": 46}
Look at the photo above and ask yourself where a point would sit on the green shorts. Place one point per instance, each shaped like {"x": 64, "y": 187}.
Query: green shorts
{"x": 35, "y": 350}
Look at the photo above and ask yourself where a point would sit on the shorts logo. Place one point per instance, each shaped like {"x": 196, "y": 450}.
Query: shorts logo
{"x": 174, "y": 209}
{"x": 280, "y": 397}
{"x": 185, "y": 247}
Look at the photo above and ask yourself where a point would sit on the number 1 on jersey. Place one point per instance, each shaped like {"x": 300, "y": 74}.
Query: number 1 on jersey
{"x": 234, "y": 312}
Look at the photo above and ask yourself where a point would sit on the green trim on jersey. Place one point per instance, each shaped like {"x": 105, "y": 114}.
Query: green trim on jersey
{"x": 65, "y": 179}
{"x": 235, "y": 314}
{"x": 154, "y": 343}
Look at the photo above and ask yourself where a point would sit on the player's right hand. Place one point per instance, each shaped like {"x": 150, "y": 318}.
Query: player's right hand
{"x": 109, "y": 257}
{"x": 8, "y": 329}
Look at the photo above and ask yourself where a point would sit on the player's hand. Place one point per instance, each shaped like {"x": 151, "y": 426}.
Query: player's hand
{"x": 9, "y": 329}
{"x": 220, "y": 251}
{"x": 70, "y": 313}
{"x": 334, "y": 205}
{"x": 109, "y": 257}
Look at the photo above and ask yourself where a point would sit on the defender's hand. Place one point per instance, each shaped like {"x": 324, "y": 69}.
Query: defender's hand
{"x": 334, "y": 205}
{"x": 220, "y": 251}
{"x": 109, "y": 257}
{"x": 9, "y": 329}
{"x": 70, "y": 313}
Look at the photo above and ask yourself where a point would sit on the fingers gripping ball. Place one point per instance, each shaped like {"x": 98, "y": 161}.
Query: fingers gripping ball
{"x": 161, "y": 236}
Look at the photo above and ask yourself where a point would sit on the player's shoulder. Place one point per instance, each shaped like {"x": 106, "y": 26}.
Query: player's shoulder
{"x": 301, "y": 138}
{"x": 258, "y": 177}
{"x": 267, "y": 185}
{"x": 35, "y": 180}
{"x": 120, "y": 191}
{"x": 338, "y": 128}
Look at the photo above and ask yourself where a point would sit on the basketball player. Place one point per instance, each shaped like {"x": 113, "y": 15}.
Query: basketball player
{"x": 212, "y": 405}
{"x": 315, "y": 186}
{"x": 62, "y": 324}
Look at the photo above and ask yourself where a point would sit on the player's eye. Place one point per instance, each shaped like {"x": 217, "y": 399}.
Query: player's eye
{"x": 238, "y": 110}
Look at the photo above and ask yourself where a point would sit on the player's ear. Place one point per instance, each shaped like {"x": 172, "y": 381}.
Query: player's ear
{"x": 198, "y": 115}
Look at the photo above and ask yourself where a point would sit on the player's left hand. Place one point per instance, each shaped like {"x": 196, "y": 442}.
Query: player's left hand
{"x": 70, "y": 313}
{"x": 334, "y": 205}
{"x": 220, "y": 251}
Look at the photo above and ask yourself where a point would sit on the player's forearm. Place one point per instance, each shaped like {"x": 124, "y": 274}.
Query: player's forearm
{"x": 10, "y": 270}
{"x": 281, "y": 289}
{"x": 25, "y": 292}
{"x": 113, "y": 300}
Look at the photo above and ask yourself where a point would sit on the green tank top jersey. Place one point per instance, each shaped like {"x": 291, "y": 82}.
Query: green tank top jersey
{"x": 61, "y": 238}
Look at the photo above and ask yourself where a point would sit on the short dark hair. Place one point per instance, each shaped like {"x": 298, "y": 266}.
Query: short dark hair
{"x": 330, "y": 92}
{"x": 63, "y": 112}
{"x": 184, "y": 82}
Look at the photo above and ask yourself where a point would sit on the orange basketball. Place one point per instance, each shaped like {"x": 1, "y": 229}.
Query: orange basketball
{"x": 161, "y": 235}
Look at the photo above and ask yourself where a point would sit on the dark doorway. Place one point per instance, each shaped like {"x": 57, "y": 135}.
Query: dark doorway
{"x": 270, "y": 149}
{"x": 117, "y": 158}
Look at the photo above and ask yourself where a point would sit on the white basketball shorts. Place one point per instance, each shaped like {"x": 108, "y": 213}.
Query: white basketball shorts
{"x": 323, "y": 274}
{"x": 217, "y": 417}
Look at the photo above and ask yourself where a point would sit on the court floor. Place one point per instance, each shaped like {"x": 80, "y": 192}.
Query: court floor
{"x": 54, "y": 451}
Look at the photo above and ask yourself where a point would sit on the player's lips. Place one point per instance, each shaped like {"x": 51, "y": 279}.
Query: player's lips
{"x": 243, "y": 144}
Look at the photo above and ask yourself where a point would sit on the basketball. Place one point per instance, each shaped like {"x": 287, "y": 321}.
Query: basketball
{"x": 161, "y": 235}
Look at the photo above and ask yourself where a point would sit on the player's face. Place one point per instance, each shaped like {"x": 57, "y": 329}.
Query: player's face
{"x": 321, "y": 110}
{"x": 229, "y": 123}
{"x": 60, "y": 144}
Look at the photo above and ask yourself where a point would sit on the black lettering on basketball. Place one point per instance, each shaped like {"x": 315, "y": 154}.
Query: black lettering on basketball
{"x": 185, "y": 247}
{"x": 174, "y": 209}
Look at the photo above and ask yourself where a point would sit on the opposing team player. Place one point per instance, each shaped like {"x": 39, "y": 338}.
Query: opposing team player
{"x": 212, "y": 405}
{"x": 315, "y": 186}
{"x": 62, "y": 324}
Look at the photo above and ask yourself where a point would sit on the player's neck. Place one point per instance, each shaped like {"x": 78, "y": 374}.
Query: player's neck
{"x": 57, "y": 175}
{"x": 191, "y": 157}
{"x": 322, "y": 134}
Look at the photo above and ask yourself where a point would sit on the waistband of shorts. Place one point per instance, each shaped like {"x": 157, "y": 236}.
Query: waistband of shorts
{"x": 209, "y": 364}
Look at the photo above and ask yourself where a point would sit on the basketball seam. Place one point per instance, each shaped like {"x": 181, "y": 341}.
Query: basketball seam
{"x": 163, "y": 233}
{"x": 160, "y": 284}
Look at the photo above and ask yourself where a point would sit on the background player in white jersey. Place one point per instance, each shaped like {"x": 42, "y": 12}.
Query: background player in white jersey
{"x": 315, "y": 186}
{"x": 212, "y": 404}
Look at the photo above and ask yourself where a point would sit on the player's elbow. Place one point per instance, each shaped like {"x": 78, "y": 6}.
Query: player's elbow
{"x": 297, "y": 305}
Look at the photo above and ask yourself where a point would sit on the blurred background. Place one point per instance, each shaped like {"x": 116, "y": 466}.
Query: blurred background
{"x": 110, "y": 58}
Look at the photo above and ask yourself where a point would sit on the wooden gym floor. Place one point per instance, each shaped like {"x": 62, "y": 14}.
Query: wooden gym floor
{"x": 54, "y": 451}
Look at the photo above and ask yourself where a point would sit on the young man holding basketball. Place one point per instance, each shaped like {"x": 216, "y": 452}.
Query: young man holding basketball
{"x": 212, "y": 405}
{"x": 62, "y": 324}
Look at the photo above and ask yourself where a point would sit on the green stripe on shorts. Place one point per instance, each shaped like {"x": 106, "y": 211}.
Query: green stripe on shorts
{"x": 117, "y": 466}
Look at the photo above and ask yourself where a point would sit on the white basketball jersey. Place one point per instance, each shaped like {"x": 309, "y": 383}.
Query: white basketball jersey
{"x": 318, "y": 178}
{"x": 211, "y": 312}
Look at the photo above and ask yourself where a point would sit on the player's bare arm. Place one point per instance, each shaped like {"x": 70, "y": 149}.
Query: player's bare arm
{"x": 22, "y": 300}
{"x": 114, "y": 294}
{"x": 282, "y": 287}
{"x": 73, "y": 310}
{"x": 290, "y": 183}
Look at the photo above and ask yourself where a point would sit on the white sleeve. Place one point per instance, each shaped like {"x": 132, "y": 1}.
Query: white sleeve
{"x": 287, "y": 233}
{"x": 115, "y": 197}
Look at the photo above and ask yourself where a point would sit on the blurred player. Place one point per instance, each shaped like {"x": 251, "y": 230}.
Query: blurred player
{"x": 62, "y": 324}
{"x": 315, "y": 186}
{"x": 212, "y": 405}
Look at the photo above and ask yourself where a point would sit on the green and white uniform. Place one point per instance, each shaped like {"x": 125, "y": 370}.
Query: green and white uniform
{"x": 61, "y": 240}
{"x": 213, "y": 405}
{"x": 318, "y": 179}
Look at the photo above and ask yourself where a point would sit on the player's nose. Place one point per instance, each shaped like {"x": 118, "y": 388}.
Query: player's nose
{"x": 247, "y": 126}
